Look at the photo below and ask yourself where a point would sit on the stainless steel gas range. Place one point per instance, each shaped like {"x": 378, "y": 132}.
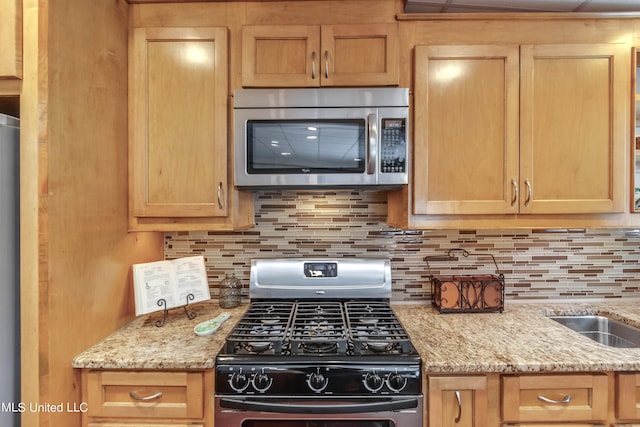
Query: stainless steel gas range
{"x": 319, "y": 346}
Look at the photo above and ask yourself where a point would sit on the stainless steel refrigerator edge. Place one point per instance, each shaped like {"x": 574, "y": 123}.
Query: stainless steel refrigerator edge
{"x": 9, "y": 271}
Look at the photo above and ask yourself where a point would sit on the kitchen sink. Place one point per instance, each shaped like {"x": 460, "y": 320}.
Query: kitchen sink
{"x": 602, "y": 329}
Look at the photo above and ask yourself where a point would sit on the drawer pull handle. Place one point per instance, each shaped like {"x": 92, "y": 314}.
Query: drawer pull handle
{"x": 459, "y": 399}
{"x": 154, "y": 396}
{"x": 557, "y": 402}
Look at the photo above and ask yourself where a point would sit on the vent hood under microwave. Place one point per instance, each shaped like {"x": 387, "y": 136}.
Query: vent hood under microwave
{"x": 353, "y": 138}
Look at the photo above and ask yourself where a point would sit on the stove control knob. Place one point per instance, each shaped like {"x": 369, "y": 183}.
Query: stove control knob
{"x": 239, "y": 381}
{"x": 396, "y": 382}
{"x": 261, "y": 381}
{"x": 373, "y": 382}
{"x": 316, "y": 381}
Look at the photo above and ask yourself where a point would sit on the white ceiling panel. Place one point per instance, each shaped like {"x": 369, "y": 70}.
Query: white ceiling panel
{"x": 489, "y": 6}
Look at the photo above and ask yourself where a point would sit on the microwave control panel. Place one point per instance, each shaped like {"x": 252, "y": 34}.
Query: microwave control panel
{"x": 393, "y": 146}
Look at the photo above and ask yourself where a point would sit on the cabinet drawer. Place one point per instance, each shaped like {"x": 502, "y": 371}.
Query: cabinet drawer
{"x": 555, "y": 398}
{"x": 142, "y": 424}
{"x": 628, "y": 396}
{"x": 143, "y": 394}
{"x": 554, "y": 425}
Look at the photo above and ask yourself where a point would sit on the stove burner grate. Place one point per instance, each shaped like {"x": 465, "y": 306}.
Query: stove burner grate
{"x": 374, "y": 328}
{"x": 262, "y": 329}
{"x": 318, "y": 328}
{"x": 363, "y": 327}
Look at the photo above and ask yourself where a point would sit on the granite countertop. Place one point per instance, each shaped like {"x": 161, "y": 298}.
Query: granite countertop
{"x": 521, "y": 339}
{"x": 142, "y": 345}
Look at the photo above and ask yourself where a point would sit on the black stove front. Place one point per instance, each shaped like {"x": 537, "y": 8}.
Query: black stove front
{"x": 318, "y": 348}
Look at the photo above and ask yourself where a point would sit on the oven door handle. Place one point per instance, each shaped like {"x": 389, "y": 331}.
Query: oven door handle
{"x": 289, "y": 407}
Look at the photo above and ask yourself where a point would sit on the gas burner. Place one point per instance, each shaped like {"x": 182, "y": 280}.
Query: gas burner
{"x": 379, "y": 346}
{"x": 319, "y": 328}
{"x": 256, "y": 347}
{"x": 311, "y": 347}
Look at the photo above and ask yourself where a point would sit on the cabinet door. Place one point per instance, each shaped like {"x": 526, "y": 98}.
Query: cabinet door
{"x": 178, "y": 151}
{"x": 311, "y": 56}
{"x": 458, "y": 401}
{"x": 466, "y": 129}
{"x": 574, "y": 123}
{"x": 281, "y": 55}
{"x": 11, "y": 39}
{"x": 359, "y": 55}
{"x": 628, "y": 396}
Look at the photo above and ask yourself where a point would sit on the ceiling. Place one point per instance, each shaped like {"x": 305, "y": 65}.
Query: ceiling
{"x": 491, "y": 6}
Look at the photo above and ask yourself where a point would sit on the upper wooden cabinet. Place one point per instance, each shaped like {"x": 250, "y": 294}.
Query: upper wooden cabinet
{"x": 11, "y": 39}
{"x": 327, "y": 55}
{"x": 535, "y": 129}
{"x": 178, "y": 163}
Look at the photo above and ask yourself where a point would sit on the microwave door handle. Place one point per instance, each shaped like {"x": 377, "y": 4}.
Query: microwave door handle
{"x": 372, "y": 143}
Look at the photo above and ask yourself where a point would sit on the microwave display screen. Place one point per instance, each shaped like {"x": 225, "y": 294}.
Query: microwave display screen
{"x": 305, "y": 146}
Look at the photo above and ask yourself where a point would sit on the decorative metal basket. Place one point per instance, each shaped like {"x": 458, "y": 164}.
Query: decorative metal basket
{"x": 466, "y": 293}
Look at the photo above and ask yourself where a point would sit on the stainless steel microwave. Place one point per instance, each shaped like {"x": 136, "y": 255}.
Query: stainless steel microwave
{"x": 321, "y": 138}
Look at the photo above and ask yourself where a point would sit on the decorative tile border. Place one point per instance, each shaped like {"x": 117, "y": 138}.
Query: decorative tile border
{"x": 538, "y": 265}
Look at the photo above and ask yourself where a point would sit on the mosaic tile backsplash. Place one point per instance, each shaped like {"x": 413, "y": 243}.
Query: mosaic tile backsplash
{"x": 537, "y": 265}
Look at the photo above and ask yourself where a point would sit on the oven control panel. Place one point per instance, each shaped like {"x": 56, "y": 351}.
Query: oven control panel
{"x": 320, "y": 269}
{"x": 323, "y": 379}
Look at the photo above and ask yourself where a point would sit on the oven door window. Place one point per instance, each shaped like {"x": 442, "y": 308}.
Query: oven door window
{"x": 319, "y": 423}
{"x": 306, "y": 146}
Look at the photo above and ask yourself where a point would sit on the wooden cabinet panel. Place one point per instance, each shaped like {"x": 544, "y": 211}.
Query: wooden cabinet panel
{"x": 458, "y": 401}
{"x": 327, "y": 55}
{"x": 144, "y": 424}
{"x": 178, "y": 161}
{"x": 11, "y": 39}
{"x": 145, "y": 394}
{"x": 628, "y": 396}
{"x": 466, "y": 129}
{"x": 552, "y": 424}
{"x": 534, "y": 129}
{"x": 280, "y": 55}
{"x": 360, "y": 55}
{"x": 574, "y": 109}
{"x": 555, "y": 398}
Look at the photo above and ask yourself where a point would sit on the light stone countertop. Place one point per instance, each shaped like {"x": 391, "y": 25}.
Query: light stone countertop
{"x": 521, "y": 339}
{"x": 142, "y": 345}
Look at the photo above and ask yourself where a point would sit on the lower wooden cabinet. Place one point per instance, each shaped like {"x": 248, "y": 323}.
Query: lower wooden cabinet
{"x": 142, "y": 425}
{"x": 460, "y": 401}
{"x": 555, "y": 398}
{"x": 119, "y": 398}
{"x": 628, "y": 396}
{"x": 558, "y": 424}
